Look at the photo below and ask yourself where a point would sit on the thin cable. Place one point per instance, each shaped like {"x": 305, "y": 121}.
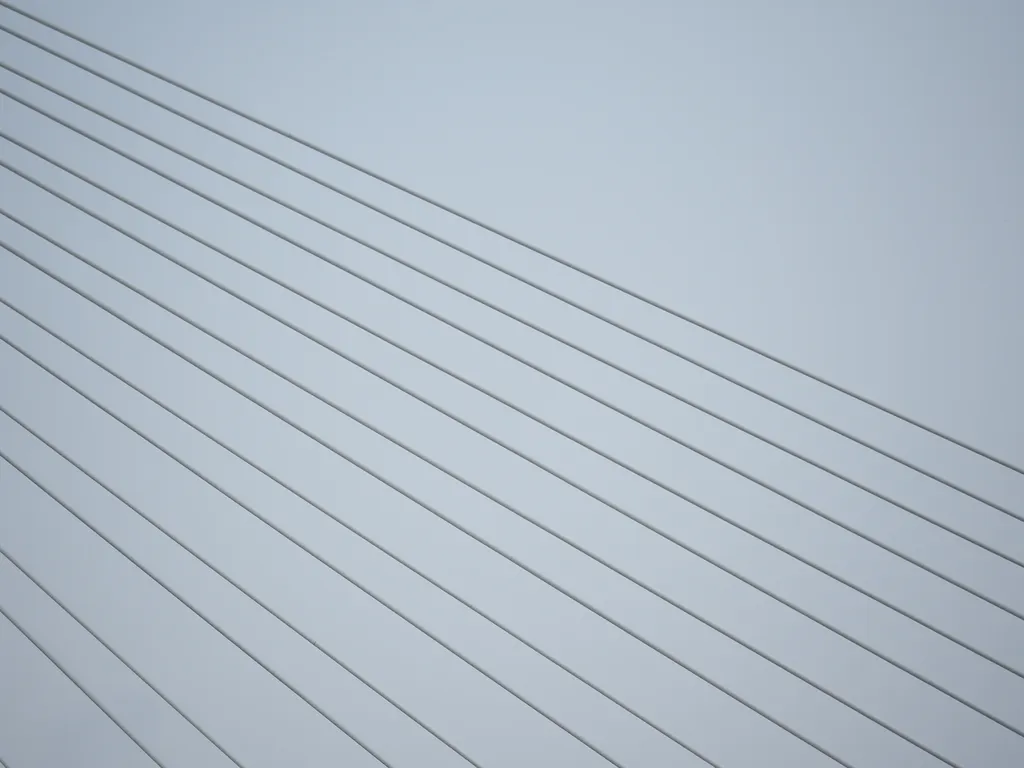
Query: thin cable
{"x": 382, "y": 601}
{"x": 277, "y": 529}
{"x": 494, "y": 548}
{"x": 385, "y": 551}
{"x": 448, "y": 414}
{"x": 400, "y": 444}
{"x": 727, "y": 465}
{"x": 99, "y": 705}
{"x": 513, "y": 239}
{"x": 511, "y": 315}
{"x": 637, "y": 377}
{"x": 175, "y": 594}
{"x": 597, "y": 558}
{"x": 118, "y": 656}
{"x": 484, "y": 434}
{"x": 452, "y": 522}
{"x": 180, "y": 542}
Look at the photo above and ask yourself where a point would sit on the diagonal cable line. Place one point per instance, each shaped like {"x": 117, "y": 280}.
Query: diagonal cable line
{"x": 231, "y": 497}
{"x": 497, "y": 500}
{"x": 441, "y": 468}
{"x": 78, "y": 684}
{"x": 597, "y": 558}
{"x": 184, "y": 601}
{"x": 134, "y": 561}
{"x": 276, "y": 528}
{"x": 489, "y": 545}
{"x": 683, "y": 400}
{"x": 333, "y": 657}
{"x": 483, "y": 614}
{"x": 184, "y": 545}
{"x": 522, "y": 243}
{"x": 448, "y": 371}
{"x": 726, "y": 465}
{"x": 488, "y": 436}
{"x": 81, "y": 622}
{"x": 511, "y": 315}
{"x": 595, "y": 356}
{"x": 354, "y": 530}
{"x": 580, "y": 390}
{"x": 588, "y": 446}
{"x": 512, "y": 239}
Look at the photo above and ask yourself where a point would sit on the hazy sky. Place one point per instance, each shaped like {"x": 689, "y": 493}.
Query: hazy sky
{"x": 841, "y": 186}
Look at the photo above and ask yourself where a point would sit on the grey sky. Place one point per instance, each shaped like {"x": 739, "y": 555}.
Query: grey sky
{"x": 840, "y": 186}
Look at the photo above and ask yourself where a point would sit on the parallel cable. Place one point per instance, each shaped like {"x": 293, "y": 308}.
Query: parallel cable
{"x": 509, "y": 314}
{"x": 582, "y": 271}
{"x": 78, "y": 684}
{"x": 81, "y": 622}
{"x": 354, "y": 530}
{"x": 727, "y": 466}
{"x": 348, "y": 458}
{"x": 306, "y": 500}
{"x": 511, "y": 238}
{"x": 597, "y": 558}
{"x": 557, "y": 337}
{"x": 446, "y": 471}
{"x": 231, "y": 497}
{"x": 475, "y": 609}
{"x": 628, "y": 467}
{"x": 180, "y": 542}
{"x": 483, "y": 433}
{"x": 184, "y": 601}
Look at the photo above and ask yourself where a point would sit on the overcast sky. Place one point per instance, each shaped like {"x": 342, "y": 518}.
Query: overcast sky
{"x": 840, "y": 186}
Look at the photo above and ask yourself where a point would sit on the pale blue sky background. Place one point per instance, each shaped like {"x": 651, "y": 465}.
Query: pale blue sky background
{"x": 839, "y": 185}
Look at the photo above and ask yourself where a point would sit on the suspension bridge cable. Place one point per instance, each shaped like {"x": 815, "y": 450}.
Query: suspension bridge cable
{"x": 184, "y": 601}
{"x": 524, "y": 244}
{"x": 338, "y": 408}
{"x": 355, "y": 530}
{"x": 473, "y": 608}
{"x": 511, "y": 315}
{"x": 81, "y": 622}
{"x": 639, "y": 473}
{"x": 323, "y": 650}
{"x": 494, "y": 548}
{"x": 726, "y": 465}
{"x": 692, "y": 448}
{"x": 497, "y": 441}
{"x": 349, "y": 458}
{"x": 595, "y": 356}
{"x": 378, "y": 375}
{"x": 177, "y": 540}
{"x": 78, "y": 684}
{"x": 643, "y": 475}
{"x": 597, "y": 558}
{"x": 781, "y": 448}
{"x": 202, "y": 476}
